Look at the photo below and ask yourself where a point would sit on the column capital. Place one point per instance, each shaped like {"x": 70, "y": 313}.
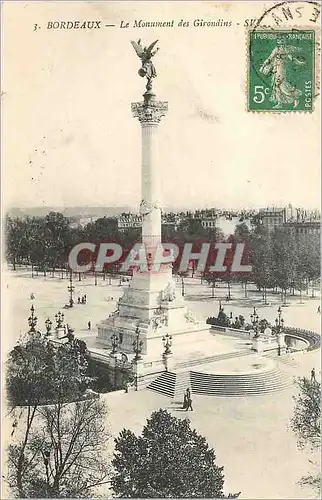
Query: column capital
{"x": 149, "y": 113}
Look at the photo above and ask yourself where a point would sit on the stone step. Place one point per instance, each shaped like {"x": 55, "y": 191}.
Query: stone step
{"x": 285, "y": 359}
{"x": 242, "y": 379}
{"x": 164, "y": 384}
{"x": 198, "y": 384}
{"x": 183, "y": 382}
{"x": 208, "y": 384}
{"x": 211, "y": 359}
{"x": 239, "y": 385}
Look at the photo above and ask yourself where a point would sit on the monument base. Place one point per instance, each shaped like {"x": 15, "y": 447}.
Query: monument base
{"x": 148, "y": 310}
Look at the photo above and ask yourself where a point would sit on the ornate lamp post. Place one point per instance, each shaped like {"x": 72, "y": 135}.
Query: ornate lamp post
{"x": 137, "y": 346}
{"x": 254, "y": 319}
{"x": 279, "y": 321}
{"x": 182, "y": 287}
{"x": 167, "y": 343}
{"x": 115, "y": 342}
{"x": 48, "y": 325}
{"x": 71, "y": 289}
{"x": 59, "y": 319}
{"x": 213, "y": 286}
{"x": 32, "y": 320}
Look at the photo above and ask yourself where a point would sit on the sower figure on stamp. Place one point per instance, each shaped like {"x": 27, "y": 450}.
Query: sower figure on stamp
{"x": 282, "y": 91}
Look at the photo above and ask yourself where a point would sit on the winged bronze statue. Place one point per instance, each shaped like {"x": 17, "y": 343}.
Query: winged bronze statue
{"x": 145, "y": 54}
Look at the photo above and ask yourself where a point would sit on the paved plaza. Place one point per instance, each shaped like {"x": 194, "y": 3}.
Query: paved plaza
{"x": 251, "y": 435}
{"x": 51, "y": 295}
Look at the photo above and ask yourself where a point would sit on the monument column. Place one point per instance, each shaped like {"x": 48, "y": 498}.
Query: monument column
{"x": 149, "y": 112}
{"x": 149, "y": 307}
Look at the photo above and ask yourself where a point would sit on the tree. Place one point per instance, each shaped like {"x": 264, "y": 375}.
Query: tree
{"x": 63, "y": 456}
{"x": 306, "y": 420}
{"x": 103, "y": 229}
{"x": 285, "y": 260}
{"x": 38, "y": 243}
{"x": 262, "y": 260}
{"x": 243, "y": 235}
{"x": 211, "y": 279}
{"x": 38, "y": 373}
{"x": 310, "y": 255}
{"x": 16, "y": 240}
{"x": 168, "y": 460}
{"x": 40, "y": 240}
{"x": 306, "y": 424}
{"x": 57, "y": 231}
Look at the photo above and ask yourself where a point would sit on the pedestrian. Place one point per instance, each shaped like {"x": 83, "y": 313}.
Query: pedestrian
{"x": 319, "y": 309}
{"x": 85, "y": 299}
{"x": 189, "y": 404}
{"x": 185, "y": 401}
{"x": 32, "y": 296}
{"x": 78, "y": 300}
{"x": 89, "y": 325}
{"x": 313, "y": 379}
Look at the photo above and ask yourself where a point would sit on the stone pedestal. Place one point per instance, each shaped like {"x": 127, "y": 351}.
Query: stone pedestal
{"x": 60, "y": 333}
{"x": 257, "y": 345}
{"x": 168, "y": 362}
{"x": 142, "y": 306}
{"x": 138, "y": 373}
{"x": 281, "y": 343}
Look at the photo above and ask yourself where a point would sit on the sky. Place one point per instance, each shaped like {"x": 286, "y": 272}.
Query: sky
{"x": 69, "y": 138}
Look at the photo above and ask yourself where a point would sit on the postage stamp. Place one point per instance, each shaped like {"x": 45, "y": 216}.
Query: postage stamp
{"x": 281, "y": 70}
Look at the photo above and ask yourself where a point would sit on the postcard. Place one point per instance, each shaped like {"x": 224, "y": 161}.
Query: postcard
{"x": 161, "y": 249}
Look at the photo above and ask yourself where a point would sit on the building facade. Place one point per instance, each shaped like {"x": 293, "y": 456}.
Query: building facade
{"x": 272, "y": 218}
{"x": 303, "y": 229}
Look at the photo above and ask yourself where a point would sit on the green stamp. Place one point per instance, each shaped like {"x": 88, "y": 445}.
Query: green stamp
{"x": 281, "y": 70}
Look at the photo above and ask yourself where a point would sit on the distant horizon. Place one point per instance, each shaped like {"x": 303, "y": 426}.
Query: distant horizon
{"x": 134, "y": 209}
